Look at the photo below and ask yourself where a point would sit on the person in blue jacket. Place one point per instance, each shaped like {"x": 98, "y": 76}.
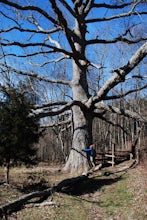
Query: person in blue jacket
{"x": 91, "y": 153}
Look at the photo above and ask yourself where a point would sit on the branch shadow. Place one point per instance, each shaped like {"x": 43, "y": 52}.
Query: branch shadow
{"x": 91, "y": 185}
{"x": 28, "y": 188}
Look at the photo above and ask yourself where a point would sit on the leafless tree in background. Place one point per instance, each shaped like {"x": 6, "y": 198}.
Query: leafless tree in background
{"x": 40, "y": 37}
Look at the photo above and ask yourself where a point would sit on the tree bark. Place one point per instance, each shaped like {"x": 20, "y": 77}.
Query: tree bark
{"x": 82, "y": 118}
{"x": 82, "y": 137}
{"x": 82, "y": 124}
{"x": 134, "y": 149}
{"x": 7, "y": 172}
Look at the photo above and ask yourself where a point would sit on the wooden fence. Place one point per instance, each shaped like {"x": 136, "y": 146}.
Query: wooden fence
{"x": 113, "y": 156}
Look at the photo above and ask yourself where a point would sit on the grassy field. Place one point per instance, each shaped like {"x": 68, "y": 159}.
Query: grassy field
{"x": 119, "y": 196}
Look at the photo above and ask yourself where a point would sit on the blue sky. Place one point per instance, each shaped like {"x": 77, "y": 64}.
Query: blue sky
{"x": 114, "y": 57}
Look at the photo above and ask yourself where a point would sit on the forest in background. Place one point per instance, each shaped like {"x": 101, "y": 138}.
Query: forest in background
{"x": 55, "y": 145}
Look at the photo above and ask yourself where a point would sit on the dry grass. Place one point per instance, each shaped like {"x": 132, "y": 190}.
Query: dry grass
{"x": 116, "y": 196}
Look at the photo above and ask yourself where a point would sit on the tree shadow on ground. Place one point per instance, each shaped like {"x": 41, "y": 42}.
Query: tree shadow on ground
{"x": 90, "y": 185}
{"x": 27, "y": 188}
{"x": 33, "y": 185}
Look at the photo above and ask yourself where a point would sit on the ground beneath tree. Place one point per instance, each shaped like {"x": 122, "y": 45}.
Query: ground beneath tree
{"x": 124, "y": 199}
{"x": 107, "y": 194}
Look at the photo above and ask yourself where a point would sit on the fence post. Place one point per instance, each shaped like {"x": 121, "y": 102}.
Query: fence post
{"x": 113, "y": 155}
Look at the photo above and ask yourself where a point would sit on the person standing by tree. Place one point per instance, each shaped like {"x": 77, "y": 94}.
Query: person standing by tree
{"x": 91, "y": 154}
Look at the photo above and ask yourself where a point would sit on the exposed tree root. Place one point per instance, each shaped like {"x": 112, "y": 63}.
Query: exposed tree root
{"x": 31, "y": 205}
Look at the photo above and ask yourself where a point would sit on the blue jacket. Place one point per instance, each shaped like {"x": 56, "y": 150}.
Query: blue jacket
{"x": 91, "y": 151}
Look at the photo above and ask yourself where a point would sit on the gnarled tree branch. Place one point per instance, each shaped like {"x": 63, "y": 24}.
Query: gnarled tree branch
{"x": 121, "y": 72}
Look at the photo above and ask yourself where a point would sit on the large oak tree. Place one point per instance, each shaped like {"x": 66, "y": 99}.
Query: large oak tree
{"x": 40, "y": 38}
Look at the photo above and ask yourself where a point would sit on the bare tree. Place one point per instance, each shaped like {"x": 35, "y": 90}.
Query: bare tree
{"x": 41, "y": 35}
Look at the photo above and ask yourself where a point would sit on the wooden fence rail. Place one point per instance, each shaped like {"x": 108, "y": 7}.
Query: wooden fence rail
{"x": 113, "y": 156}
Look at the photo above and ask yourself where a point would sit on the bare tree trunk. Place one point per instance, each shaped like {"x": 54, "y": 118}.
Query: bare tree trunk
{"x": 7, "y": 171}
{"x": 135, "y": 152}
{"x": 82, "y": 137}
{"x": 82, "y": 123}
